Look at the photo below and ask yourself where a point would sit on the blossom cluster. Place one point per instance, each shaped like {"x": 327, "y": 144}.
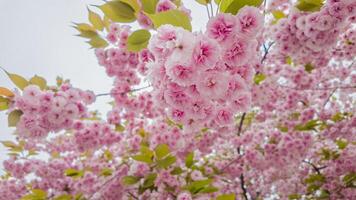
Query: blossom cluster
{"x": 303, "y": 35}
{"x": 45, "y": 111}
{"x": 205, "y": 78}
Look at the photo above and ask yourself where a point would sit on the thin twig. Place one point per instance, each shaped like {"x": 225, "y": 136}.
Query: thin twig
{"x": 116, "y": 93}
{"x": 242, "y": 179}
{"x": 242, "y": 183}
{"x": 325, "y": 88}
{"x": 329, "y": 97}
{"x": 317, "y": 169}
{"x": 133, "y": 196}
{"x": 267, "y": 49}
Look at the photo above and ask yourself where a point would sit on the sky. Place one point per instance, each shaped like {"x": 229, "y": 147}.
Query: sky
{"x": 36, "y": 37}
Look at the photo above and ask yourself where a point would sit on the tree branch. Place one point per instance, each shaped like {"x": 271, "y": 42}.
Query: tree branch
{"x": 317, "y": 169}
{"x": 114, "y": 93}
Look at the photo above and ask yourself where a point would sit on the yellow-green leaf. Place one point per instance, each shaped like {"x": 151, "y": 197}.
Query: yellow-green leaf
{"x": 97, "y": 42}
{"x": 39, "y": 81}
{"x": 63, "y": 197}
{"x": 4, "y": 103}
{"x": 259, "y": 78}
{"x": 36, "y": 194}
{"x": 9, "y": 144}
{"x": 14, "y": 117}
{"x": 143, "y": 158}
{"x": 166, "y": 162}
{"x": 6, "y": 92}
{"x": 226, "y": 197}
{"x": 277, "y": 14}
{"x": 174, "y": 17}
{"x": 119, "y": 128}
{"x": 309, "y": 5}
{"x": 106, "y": 172}
{"x": 138, "y": 40}
{"x": 189, "y": 160}
{"x": 203, "y": 2}
{"x": 130, "y": 180}
{"x": 95, "y": 20}
{"x": 86, "y": 30}
{"x": 161, "y": 151}
{"x": 118, "y": 11}
{"x": 18, "y": 80}
{"x": 233, "y": 6}
{"x": 149, "y": 6}
{"x": 74, "y": 173}
{"x": 133, "y": 3}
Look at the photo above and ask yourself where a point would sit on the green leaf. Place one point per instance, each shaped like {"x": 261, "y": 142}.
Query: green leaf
{"x": 36, "y": 194}
{"x": 209, "y": 189}
{"x": 196, "y": 186}
{"x": 63, "y": 197}
{"x": 350, "y": 179}
{"x": 309, "y": 68}
{"x": 203, "y": 2}
{"x": 98, "y": 42}
{"x": 310, "y": 125}
{"x": 138, "y": 40}
{"x": 133, "y": 3}
{"x": 86, "y": 30}
{"x": 315, "y": 178}
{"x": 233, "y": 6}
{"x": 6, "y": 92}
{"x": 118, "y": 11}
{"x": 14, "y": 117}
{"x": 74, "y": 173}
{"x": 277, "y": 14}
{"x": 294, "y": 196}
{"x": 289, "y": 60}
{"x": 108, "y": 155}
{"x": 146, "y": 151}
{"x": 4, "y": 103}
{"x": 39, "y": 81}
{"x": 176, "y": 171}
{"x": 18, "y": 80}
{"x": 161, "y": 151}
{"x": 226, "y": 197}
{"x": 149, "y": 6}
{"x": 143, "y": 158}
{"x": 9, "y": 144}
{"x": 149, "y": 180}
{"x": 119, "y": 128}
{"x": 130, "y": 180}
{"x": 259, "y": 78}
{"x": 189, "y": 160}
{"x": 106, "y": 172}
{"x": 309, "y": 5}
{"x": 174, "y": 17}
{"x": 341, "y": 144}
{"x": 95, "y": 20}
{"x": 168, "y": 161}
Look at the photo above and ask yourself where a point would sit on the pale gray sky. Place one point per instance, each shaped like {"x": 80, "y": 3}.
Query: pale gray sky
{"x": 36, "y": 37}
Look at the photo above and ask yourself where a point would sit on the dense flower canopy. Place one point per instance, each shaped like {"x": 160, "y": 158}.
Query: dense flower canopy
{"x": 259, "y": 105}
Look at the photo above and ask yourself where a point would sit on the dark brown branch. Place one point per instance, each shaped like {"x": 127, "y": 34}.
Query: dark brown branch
{"x": 242, "y": 183}
{"x": 242, "y": 179}
{"x": 317, "y": 169}
{"x": 267, "y": 49}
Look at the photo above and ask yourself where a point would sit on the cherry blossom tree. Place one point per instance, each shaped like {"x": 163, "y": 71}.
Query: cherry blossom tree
{"x": 259, "y": 105}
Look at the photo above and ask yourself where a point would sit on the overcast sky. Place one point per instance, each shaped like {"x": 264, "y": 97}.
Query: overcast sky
{"x": 36, "y": 37}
